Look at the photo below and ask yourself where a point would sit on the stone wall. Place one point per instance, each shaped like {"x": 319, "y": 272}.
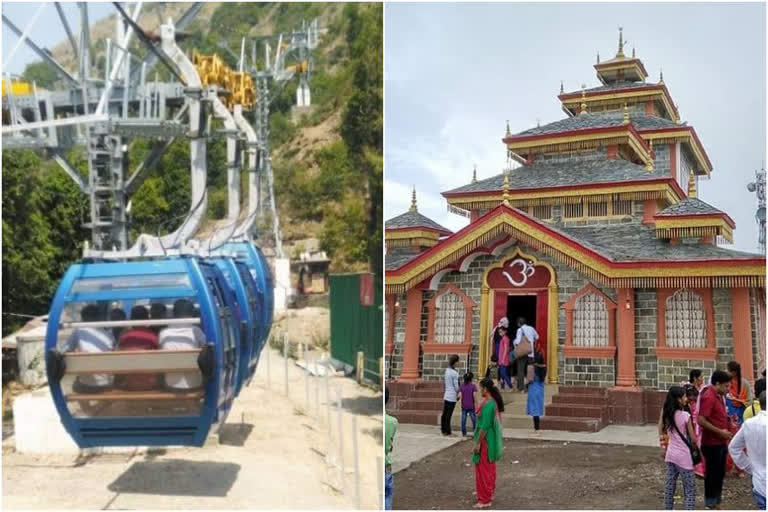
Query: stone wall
{"x": 589, "y": 371}
{"x": 721, "y": 300}
{"x": 646, "y": 370}
{"x": 393, "y": 363}
{"x": 674, "y": 371}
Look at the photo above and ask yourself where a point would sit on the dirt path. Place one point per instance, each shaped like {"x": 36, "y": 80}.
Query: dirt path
{"x": 270, "y": 456}
{"x": 553, "y": 475}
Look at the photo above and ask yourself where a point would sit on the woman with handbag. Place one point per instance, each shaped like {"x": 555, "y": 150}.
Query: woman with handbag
{"x": 488, "y": 442}
{"x": 682, "y": 452}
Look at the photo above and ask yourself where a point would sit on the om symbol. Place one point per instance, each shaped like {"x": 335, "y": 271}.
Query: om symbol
{"x": 526, "y": 270}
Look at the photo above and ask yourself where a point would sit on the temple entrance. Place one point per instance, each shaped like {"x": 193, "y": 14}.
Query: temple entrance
{"x": 520, "y": 286}
{"x": 521, "y": 305}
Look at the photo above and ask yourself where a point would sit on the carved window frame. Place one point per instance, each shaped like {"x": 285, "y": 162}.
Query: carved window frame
{"x": 461, "y": 346}
{"x": 709, "y": 352}
{"x": 605, "y": 352}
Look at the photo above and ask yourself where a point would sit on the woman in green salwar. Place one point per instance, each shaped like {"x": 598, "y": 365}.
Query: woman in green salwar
{"x": 488, "y": 442}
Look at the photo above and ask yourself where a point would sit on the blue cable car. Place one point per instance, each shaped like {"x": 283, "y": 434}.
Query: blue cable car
{"x": 246, "y": 310}
{"x": 252, "y": 256}
{"x": 142, "y": 353}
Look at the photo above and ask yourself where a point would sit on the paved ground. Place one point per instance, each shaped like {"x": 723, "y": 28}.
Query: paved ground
{"x": 536, "y": 474}
{"x": 271, "y": 455}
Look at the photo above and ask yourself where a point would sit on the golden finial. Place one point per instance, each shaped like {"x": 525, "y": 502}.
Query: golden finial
{"x": 413, "y": 201}
{"x": 505, "y": 195}
{"x": 598, "y": 57}
{"x": 620, "y": 53}
{"x": 692, "y": 186}
{"x": 474, "y": 174}
{"x": 625, "y": 117}
{"x": 509, "y": 132}
{"x": 661, "y": 76}
{"x": 583, "y": 99}
{"x": 649, "y": 166}
{"x": 561, "y": 87}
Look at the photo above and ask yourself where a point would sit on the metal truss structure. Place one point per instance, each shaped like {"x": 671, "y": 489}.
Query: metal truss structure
{"x": 105, "y": 114}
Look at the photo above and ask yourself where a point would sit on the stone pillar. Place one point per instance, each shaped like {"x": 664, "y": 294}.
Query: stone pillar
{"x": 742, "y": 331}
{"x": 625, "y": 337}
{"x": 410, "y": 371}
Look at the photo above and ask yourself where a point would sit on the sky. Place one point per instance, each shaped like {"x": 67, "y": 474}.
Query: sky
{"x": 48, "y": 30}
{"x": 455, "y": 73}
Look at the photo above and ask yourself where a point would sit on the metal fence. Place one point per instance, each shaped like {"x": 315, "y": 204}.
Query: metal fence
{"x": 357, "y": 321}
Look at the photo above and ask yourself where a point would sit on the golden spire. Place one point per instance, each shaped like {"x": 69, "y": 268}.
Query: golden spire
{"x": 505, "y": 195}
{"x": 583, "y": 99}
{"x": 509, "y": 132}
{"x": 561, "y": 87}
{"x": 625, "y": 117}
{"x": 692, "y": 186}
{"x": 413, "y": 201}
{"x": 620, "y": 53}
{"x": 474, "y": 174}
{"x": 661, "y": 76}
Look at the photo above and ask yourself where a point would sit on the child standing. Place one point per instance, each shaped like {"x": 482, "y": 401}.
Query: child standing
{"x": 676, "y": 423}
{"x": 535, "y": 404}
{"x": 504, "y": 359}
{"x": 468, "y": 403}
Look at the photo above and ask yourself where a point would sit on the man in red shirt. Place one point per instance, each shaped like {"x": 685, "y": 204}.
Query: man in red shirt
{"x": 138, "y": 338}
{"x": 713, "y": 419}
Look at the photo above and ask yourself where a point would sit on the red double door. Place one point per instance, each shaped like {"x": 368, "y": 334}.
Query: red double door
{"x": 517, "y": 294}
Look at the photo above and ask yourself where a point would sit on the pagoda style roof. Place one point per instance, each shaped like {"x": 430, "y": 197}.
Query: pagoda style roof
{"x": 600, "y": 120}
{"x": 615, "y": 94}
{"x": 611, "y": 86}
{"x": 623, "y": 255}
{"x": 543, "y": 174}
{"x": 692, "y": 217}
{"x": 413, "y": 219}
{"x": 398, "y": 258}
{"x": 638, "y": 242}
{"x": 690, "y": 206}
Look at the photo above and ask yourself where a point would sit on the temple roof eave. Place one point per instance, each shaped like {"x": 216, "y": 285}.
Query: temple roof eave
{"x": 722, "y": 268}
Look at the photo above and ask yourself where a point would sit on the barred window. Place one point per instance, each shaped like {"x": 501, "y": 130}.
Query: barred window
{"x": 590, "y": 321}
{"x": 450, "y": 319}
{"x": 543, "y": 211}
{"x": 621, "y": 207}
{"x": 597, "y": 209}
{"x": 386, "y": 323}
{"x": 573, "y": 211}
{"x": 686, "y": 325}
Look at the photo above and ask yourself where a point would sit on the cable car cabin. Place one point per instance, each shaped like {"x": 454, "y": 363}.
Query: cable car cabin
{"x": 245, "y": 310}
{"x": 142, "y": 353}
{"x": 250, "y": 255}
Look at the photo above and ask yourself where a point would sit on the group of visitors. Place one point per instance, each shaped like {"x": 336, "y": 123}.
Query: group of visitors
{"x": 511, "y": 360}
{"x": 136, "y": 337}
{"x": 705, "y": 429}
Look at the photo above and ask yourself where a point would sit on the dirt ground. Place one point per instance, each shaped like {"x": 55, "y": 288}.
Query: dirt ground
{"x": 535, "y": 474}
{"x": 271, "y": 455}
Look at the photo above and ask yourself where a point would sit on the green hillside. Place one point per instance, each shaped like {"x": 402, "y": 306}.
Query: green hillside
{"x": 327, "y": 164}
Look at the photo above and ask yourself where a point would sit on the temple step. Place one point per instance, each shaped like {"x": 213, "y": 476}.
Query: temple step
{"x": 423, "y": 404}
{"x": 427, "y": 393}
{"x": 576, "y": 411}
{"x": 582, "y": 390}
{"x": 417, "y": 416}
{"x": 581, "y": 399}
{"x": 571, "y": 424}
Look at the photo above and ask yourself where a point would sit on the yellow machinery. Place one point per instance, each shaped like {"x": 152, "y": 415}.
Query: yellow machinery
{"x": 214, "y": 71}
{"x": 18, "y": 88}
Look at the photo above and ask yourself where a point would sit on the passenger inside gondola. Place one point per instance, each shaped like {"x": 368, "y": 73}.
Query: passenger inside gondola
{"x": 138, "y": 338}
{"x": 158, "y": 311}
{"x": 117, "y": 314}
{"x": 91, "y": 339}
{"x": 182, "y": 337}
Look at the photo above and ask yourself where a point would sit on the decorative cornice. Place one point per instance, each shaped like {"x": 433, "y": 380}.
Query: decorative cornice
{"x": 640, "y": 273}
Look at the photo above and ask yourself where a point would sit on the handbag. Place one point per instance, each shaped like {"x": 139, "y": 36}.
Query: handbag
{"x": 523, "y": 348}
{"x": 695, "y": 452}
